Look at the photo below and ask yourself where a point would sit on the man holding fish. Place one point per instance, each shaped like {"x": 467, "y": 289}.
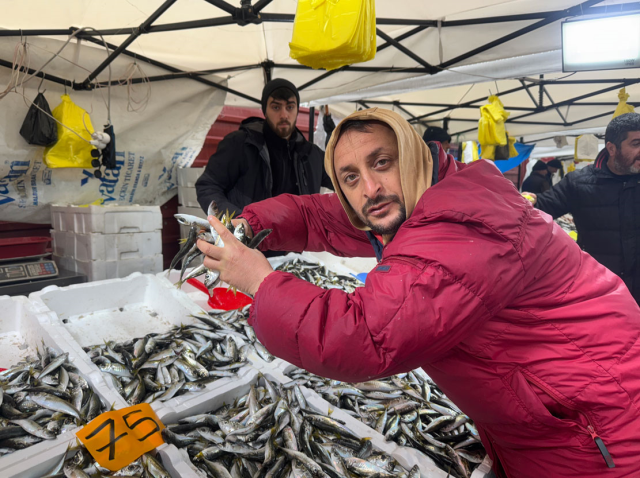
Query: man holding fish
{"x": 530, "y": 336}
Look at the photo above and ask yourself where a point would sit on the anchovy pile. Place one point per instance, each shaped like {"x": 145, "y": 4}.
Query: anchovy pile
{"x": 272, "y": 432}
{"x": 41, "y": 398}
{"x": 410, "y": 410}
{"x": 319, "y": 275}
{"x": 78, "y": 463}
{"x": 566, "y": 222}
{"x": 201, "y": 229}
{"x": 162, "y": 366}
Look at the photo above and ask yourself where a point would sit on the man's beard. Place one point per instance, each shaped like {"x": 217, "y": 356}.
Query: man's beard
{"x": 391, "y": 228}
{"x": 283, "y": 133}
{"x": 623, "y": 167}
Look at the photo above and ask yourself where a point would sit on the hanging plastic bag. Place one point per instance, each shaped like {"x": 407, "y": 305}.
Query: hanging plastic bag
{"x": 39, "y": 127}
{"x": 469, "y": 151}
{"x": 586, "y": 148}
{"x": 71, "y": 150}
{"x": 332, "y": 33}
{"x": 623, "y": 108}
{"x": 491, "y": 130}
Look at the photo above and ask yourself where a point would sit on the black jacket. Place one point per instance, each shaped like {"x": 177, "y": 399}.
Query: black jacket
{"x": 536, "y": 183}
{"x": 606, "y": 211}
{"x": 240, "y": 173}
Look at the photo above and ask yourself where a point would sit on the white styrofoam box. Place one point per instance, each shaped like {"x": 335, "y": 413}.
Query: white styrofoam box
{"x": 106, "y": 247}
{"x": 187, "y": 197}
{"x": 101, "y": 270}
{"x": 120, "y": 310}
{"x": 37, "y": 465}
{"x": 23, "y": 329}
{"x": 353, "y": 264}
{"x": 187, "y": 177}
{"x": 106, "y": 219}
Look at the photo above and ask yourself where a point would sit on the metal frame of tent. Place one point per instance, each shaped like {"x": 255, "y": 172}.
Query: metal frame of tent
{"x": 249, "y": 13}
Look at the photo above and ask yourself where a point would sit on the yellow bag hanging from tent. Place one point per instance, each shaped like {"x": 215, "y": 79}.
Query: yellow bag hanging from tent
{"x": 70, "y": 151}
{"x": 623, "y": 108}
{"x": 491, "y": 130}
{"x": 332, "y": 33}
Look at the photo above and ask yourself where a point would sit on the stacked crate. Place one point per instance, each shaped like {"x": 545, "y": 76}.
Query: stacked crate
{"x": 187, "y": 197}
{"x": 107, "y": 242}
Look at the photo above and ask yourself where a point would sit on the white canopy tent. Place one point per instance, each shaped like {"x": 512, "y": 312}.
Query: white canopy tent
{"x": 429, "y": 53}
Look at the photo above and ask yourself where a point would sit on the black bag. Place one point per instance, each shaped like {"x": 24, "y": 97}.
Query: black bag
{"x": 38, "y": 128}
{"x": 502, "y": 152}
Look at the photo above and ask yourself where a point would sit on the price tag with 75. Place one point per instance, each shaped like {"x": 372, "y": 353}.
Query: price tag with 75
{"x": 120, "y": 437}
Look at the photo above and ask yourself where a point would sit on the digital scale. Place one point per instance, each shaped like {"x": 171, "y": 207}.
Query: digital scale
{"x": 27, "y": 271}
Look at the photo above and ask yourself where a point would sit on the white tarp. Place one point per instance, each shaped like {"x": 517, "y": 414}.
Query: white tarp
{"x": 150, "y": 144}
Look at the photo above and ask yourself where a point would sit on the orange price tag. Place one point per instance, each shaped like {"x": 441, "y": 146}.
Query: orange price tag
{"x": 120, "y": 437}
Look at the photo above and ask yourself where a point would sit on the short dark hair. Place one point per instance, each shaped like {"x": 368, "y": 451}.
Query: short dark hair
{"x": 362, "y": 126}
{"x": 434, "y": 133}
{"x": 283, "y": 93}
{"x": 620, "y": 126}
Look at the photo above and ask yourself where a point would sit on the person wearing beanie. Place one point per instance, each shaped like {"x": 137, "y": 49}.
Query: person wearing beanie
{"x": 264, "y": 158}
{"x": 539, "y": 180}
{"x": 604, "y": 199}
{"x": 528, "y": 335}
{"x": 434, "y": 133}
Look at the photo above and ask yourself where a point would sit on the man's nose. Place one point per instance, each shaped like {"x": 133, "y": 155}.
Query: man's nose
{"x": 372, "y": 187}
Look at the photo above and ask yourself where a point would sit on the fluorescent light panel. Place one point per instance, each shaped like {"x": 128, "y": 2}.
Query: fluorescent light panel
{"x": 601, "y": 43}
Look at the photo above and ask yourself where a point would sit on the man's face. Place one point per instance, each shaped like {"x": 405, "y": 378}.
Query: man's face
{"x": 552, "y": 170}
{"x": 626, "y": 159}
{"x": 281, "y": 116}
{"x": 368, "y": 171}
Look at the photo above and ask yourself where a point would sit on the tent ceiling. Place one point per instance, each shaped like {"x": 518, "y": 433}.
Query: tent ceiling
{"x": 491, "y": 43}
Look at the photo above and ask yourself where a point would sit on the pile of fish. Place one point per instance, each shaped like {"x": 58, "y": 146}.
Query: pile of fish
{"x": 201, "y": 229}
{"x": 319, "y": 275}
{"x": 78, "y": 463}
{"x": 272, "y": 432}
{"x": 566, "y": 222}
{"x": 410, "y": 410}
{"x": 41, "y": 398}
{"x": 162, "y": 366}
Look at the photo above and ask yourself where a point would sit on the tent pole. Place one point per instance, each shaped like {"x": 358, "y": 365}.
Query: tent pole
{"x": 31, "y": 71}
{"x": 141, "y": 29}
{"x": 222, "y": 5}
{"x": 399, "y": 46}
{"x": 312, "y": 122}
{"x": 260, "y": 4}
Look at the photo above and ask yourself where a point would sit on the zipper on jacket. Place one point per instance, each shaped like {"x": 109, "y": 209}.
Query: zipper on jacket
{"x": 602, "y": 448}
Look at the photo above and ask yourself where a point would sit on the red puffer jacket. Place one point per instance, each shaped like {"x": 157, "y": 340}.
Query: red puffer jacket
{"x": 530, "y": 336}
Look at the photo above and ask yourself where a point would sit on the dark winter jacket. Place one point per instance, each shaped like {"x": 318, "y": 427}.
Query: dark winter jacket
{"x": 536, "y": 183}
{"x": 606, "y": 210}
{"x": 240, "y": 171}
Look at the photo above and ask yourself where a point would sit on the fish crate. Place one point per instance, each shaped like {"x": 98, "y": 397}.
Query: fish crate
{"x": 106, "y": 219}
{"x": 36, "y": 466}
{"x": 119, "y": 310}
{"x": 101, "y": 270}
{"x": 214, "y": 400}
{"x": 22, "y": 331}
{"x": 187, "y": 197}
{"x": 187, "y": 177}
{"x": 106, "y": 247}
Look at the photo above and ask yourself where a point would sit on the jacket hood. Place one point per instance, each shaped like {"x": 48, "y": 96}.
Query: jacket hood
{"x": 416, "y": 163}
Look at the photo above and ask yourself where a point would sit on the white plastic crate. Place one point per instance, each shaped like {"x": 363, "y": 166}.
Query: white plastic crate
{"x": 106, "y": 219}
{"x": 107, "y": 247}
{"x": 187, "y": 197}
{"x": 188, "y": 176}
{"x": 120, "y": 310}
{"x": 23, "y": 329}
{"x": 101, "y": 270}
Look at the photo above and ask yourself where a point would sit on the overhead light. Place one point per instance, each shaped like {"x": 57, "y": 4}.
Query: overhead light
{"x": 604, "y": 43}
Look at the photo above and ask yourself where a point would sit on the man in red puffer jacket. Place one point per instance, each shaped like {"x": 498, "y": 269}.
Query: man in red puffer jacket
{"x": 531, "y": 337}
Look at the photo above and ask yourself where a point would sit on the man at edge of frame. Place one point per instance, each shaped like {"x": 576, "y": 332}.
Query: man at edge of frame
{"x": 531, "y": 337}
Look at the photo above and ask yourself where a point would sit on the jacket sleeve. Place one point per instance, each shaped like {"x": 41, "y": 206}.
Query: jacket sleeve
{"x": 221, "y": 174}
{"x": 314, "y": 223}
{"x": 406, "y": 315}
{"x": 557, "y": 201}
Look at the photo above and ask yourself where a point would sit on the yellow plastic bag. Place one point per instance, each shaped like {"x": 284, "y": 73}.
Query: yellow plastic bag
{"x": 623, "y": 108}
{"x": 491, "y": 129}
{"x": 332, "y": 33}
{"x": 70, "y": 151}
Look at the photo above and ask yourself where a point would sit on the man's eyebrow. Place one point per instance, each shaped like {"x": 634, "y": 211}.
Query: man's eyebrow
{"x": 375, "y": 152}
{"x": 346, "y": 168}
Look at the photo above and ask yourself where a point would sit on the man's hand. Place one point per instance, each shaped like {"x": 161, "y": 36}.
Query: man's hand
{"x": 530, "y": 196}
{"x": 239, "y": 266}
{"x": 247, "y": 228}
